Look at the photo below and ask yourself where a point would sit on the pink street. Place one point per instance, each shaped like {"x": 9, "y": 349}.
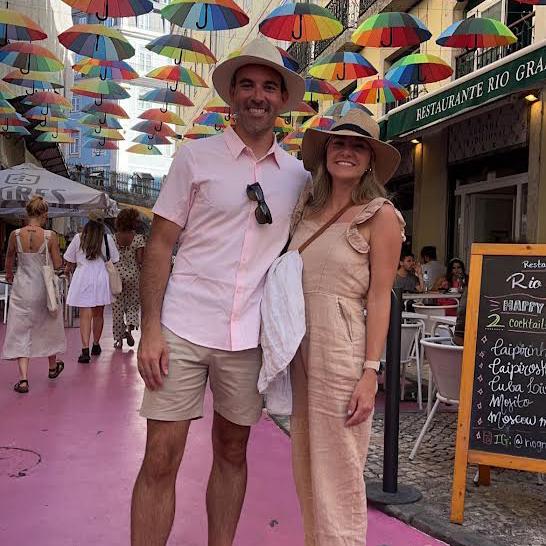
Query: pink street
{"x": 71, "y": 448}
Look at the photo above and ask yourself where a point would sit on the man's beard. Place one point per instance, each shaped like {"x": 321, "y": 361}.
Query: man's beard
{"x": 256, "y": 126}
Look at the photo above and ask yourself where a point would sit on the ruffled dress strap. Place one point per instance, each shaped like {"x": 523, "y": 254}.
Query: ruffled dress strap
{"x": 355, "y": 237}
{"x": 305, "y": 195}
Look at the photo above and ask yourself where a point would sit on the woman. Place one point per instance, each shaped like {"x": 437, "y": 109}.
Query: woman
{"x": 126, "y": 307}
{"x": 90, "y": 287}
{"x": 32, "y": 331}
{"x": 454, "y": 281}
{"x": 350, "y": 267}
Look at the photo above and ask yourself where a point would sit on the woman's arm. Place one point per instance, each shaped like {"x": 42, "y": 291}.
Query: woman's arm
{"x": 10, "y": 257}
{"x": 140, "y": 256}
{"x": 55, "y": 251}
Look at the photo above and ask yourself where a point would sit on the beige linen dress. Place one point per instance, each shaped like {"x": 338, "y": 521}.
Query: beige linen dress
{"x": 328, "y": 458}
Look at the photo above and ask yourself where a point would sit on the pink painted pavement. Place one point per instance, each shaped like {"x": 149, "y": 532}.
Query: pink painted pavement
{"x": 84, "y": 442}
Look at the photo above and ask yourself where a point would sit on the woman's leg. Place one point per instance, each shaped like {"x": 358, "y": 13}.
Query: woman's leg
{"x": 22, "y": 363}
{"x": 86, "y": 315}
{"x": 52, "y": 362}
{"x": 118, "y": 324}
{"x": 98, "y": 323}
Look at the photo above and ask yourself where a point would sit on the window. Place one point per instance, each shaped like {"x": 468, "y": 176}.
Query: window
{"x": 144, "y": 60}
{"x": 143, "y": 21}
{"x": 75, "y": 146}
{"x": 76, "y": 103}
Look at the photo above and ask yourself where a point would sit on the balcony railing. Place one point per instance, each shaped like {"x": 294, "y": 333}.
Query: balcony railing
{"x": 301, "y": 51}
{"x": 365, "y": 5}
{"x": 340, "y": 8}
{"x": 472, "y": 60}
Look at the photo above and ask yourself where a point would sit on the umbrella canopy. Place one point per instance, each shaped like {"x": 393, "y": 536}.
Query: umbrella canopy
{"x": 34, "y": 80}
{"x": 288, "y": 60}
{"x": 96, "y": 120}
{"x": 212, "y": 119}
{"x": 54, "y": 127}
{"x": 29, "y": 57}
{"x": 167, "y": 96}
{"x": 318, "y": 122}
{"x": 16, "y": 26}
{"x": 64, "y": 197}
{"x": 149, "y": 127}
{"x": 7, "y": 91}
{"x": 288, "y": 147}
{"x": 47, "y": 119}
{"x": 103, "y": 9}
{"x": 47, "y": 98}
{"x": 419, "y": 68}
{"x": 339, "y": 109}
{"x": 182, "y": 48}
{"x": 177, "y": 74}
{"x": 61, "y": 138}
{"x": 319, "y": 90}
{"x": 144, "y": 149}
{"x": 104, "y": 133}
{"x": 217, "y": 105}
{"x": 101, "y": 145}
{"x": 476, "y": 32}
{"x": 106, "y": 70}
{"x": 205, "y": 14}
{"x": 95, "y": 87}
{"x": 391, "y": 29}
{"x": 200, "y": 131}
{"x": 157, "y": 115}
{"x": 6, "y": 107}
{"x": 13, "y": 129}
{"x": 300, "y": 22}
{"x": 149, "y": 140}
{"x": 303, "y": 109}
{"x": 13, "y": 119}
{"x": 295, "y": 137}
{"x": 106, "y": 108}
{"x": 378, "y": 91}
{"x": 343, "y": 65}
{"x": 282, "y": 125}
{"x": 97, "y": 41}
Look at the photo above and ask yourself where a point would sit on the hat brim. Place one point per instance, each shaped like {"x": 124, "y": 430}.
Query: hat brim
{"x": 386, "y": 157}
{"x": 223, "y": 75}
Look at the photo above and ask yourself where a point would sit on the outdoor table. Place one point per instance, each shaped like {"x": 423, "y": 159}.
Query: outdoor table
{"x": 430, "y": 295}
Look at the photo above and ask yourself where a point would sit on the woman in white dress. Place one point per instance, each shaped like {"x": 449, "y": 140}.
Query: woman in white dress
{"x": 90, "y": 286}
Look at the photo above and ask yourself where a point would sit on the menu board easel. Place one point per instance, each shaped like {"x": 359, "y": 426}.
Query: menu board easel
{"x": 502, "y": 406}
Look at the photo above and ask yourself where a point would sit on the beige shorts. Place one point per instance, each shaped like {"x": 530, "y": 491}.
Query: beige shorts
{"x": 233, "y": 382}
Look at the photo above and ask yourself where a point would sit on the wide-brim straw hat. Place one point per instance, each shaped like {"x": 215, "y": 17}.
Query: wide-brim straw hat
{"x": 259, "y": 51}
{"x": 356, "y": 123}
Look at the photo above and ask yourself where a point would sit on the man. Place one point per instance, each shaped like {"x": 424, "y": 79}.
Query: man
{"x": 409, "y": 276}
{"x": 432, "y": 268}
{"x": 227, "y": 201}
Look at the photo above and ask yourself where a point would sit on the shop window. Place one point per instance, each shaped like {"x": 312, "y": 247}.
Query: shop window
{"x": 75, "y": 147}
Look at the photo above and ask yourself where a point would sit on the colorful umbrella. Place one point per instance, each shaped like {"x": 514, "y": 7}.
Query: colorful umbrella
{"x": 55, "y": 129}
{"x": 318, "y": 122}
{"x": 47, "y": 98}
{"x": 97, "y": 41}
{"x": 8, "y": 92}
{"x": 212, "y": 119}
{"x": 205, "y": 14}
{"x": 419, "y": 68}
{"x": 288, "y": 61}
{"x": 378, "y": 91}
{"x": 166, "y": 96}
{"x": 339, "y": 109}
{"x": 106, "y": 108}
{"x": 391, "y": 29}
{"x": 300, "y": 22}
{"x": 106, "y": 70}
{"x": 101, "y": 145}
{"x": 476, "y": 32}
{"x": 103, "y": 9}
{"x": 217, "y": 105}
{"x": 93, "y": 120}
{"x": 288, "y": 147}
{"x": 46, "y": 120}
{"x": 14, "y": 119}
{"x": 149, "y": 127}
{"x": 143, "y": 149}
{"x": 295, "y": 137}
{"x": 35, "y": 80}
{"x": 101, "y": 89}
{"x": 61, "y": 138}
{"x": 343, "y": 65}
{"x": 200, "y": 131}
{"x": 16, "y": 26}
{"x": 6, "y": 107}
{"x": 149, "y": 140}
{"x": 21, "y": 131}
{"x": 282, "y": 125}
{"x": 319, "y": 90}
{"x": 27, "y": 57}
{"x": 303, "y": 109}
{"x": 107, "y": 134}
{"x": 157, "y": 115}
{"x": 182, "y": 48}
{"x": 177, "y": 74}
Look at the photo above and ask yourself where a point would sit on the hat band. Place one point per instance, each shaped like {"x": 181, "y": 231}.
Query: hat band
{"x": 351, "y": 127}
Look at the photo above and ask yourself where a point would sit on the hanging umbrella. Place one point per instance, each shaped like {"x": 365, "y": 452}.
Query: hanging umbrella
{"x": 339, "y": 109}
{"x": 318, "y": 122}
{"x": 476, "y": 32}
{"x": 6, "y": 107}
{"x": 205, "y": 14}
{"x": 419, "y": 68}
{"x": 166, "y": 96}
{"x": 343, "y": 65}
{"x": 303, "y": 109}
{"x": 378, "y": 91}
{"x": 106, "y": 70}
{"x": 7, "y": 91}
{"x": 300, "y": 22}
{"x": 200, "y": 131}
{"x": 13, "y": 119}
{"x": 149, "y": 127}
{"x": 182, "y": 48}
{"x": 288, "y": 147}
{"x": 101, "y": 145}
{"x": 99, "y": 89}
{"x": 46, "y": 120}
{"x": 94, "y": 120}
{"x": 143, "y": 149}
{"x": 217, "y": 105}
{"x": 391, "y": 29}
{"x": 45, "y": 99}
{"x": 55, "y": 129}
{"x": 288, "y": 61}
{"x": 54, "y": 110}
{"x": 295, "y": 137}
{"x": 97, "y": 41}
{"x": 212, "y": 119}
{"x": 282, "y": 125}
{"x": 157, "y": 115}
{"x": 35, "y": 80}
{"x": 319, "y": 90}
{"x": 177, "y": 74}
{"x": 11, "y": 129}
{"x": 107, "y": 134}
{"x": 61, "y": 138}
{"x": 106, "y": 108}
{"x": 16, "y": 26}
{"x": 102, "y": 9}
{"x": 29, "y": 57}
{"x": 155, "y": 140}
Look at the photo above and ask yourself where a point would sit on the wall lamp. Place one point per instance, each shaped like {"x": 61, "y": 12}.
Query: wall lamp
{"x": 531, "y": 98}
{"x": 416, "y": 140}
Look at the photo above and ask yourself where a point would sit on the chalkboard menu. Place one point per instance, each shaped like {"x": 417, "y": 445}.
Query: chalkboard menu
{"x": 508, "y": 413}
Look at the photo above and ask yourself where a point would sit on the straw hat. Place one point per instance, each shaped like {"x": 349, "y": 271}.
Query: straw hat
{"x": 355, "y": 123}
{"x": 262, "y": 52}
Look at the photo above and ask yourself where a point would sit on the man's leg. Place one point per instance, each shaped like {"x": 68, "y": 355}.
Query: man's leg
{"x": 227, "y": 482}
{"x": 153, "y": 502}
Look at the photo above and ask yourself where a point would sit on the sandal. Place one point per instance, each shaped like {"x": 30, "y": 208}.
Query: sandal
{"x": 130, "y": 339}
{"x": 21, "y": 386}
{"x": 59, "y": 367}
{"x": 118, "y": 344}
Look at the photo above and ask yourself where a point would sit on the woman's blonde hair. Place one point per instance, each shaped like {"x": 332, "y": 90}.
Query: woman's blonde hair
{"x": 91, "y": 239}
{"x": 36, "y": 207}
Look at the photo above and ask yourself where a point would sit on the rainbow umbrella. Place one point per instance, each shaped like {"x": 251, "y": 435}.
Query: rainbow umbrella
{"x": 166, "y": 96}
{"x": 107, "y": 134}
{"x": 98, "y": 42}
{"x": 106, "y": 70}
{"x": 102, "y": 9}
{"x": 149, "y": 127}
{"x": 93, "y": 120}
{"x": 200, "y": 131}
{"x": 157, "y": 115}
{"x": 182, "y": 48}
{"x": 339, "y": 109}
{"x": 16, "y": 26}
{"x": 288, "y": 61}
{"x": 61, "y": 138}
{"x": 318, "y": 122}
{"x": 218, "y": 105}
{"x": 40, "y": 81}
{"x": 300, "y": 22}
{"x": 54, "y": 110}
{"x": 177, "y": 74}
{"x": 144, "y": 149}
{"x": 212, "y": 119}
{"x": 295, "y": 137}
{"x": 106, "y": 108}
{"x": 6, "y": 107}
{"x": 476, "y": 32}
{"x": 14, "y": 119}
{"x": 99, "y": 89}
{"x": 343, "y": 65}
{"x": 282, "y": 125}
{"x": 288, "y": 147}
{"x": 155, "y": 140}
{"x": 205, "y": 14}
{"x": 419, "y": 68}
{"x": 46, "y": 99}
{"x": 319, "y": 90}
{"x": 11, "y": 129}
{"x": 303, "y": 109}
{"x": 47, "y": 120}
{"x": 101, "y": 145}
{"x": 378, "y": 91}
{"x": 391, "y": 29}
{"x": 8, "y": 92}
{"x": 29, "y": 57}
{"x": 55, "y": 129}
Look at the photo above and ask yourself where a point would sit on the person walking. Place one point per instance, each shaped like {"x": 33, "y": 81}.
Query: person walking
{"x": 126, "y": 307}
{"x": 227, "y": 200}
{"x": 90, "y": 286}
{"x": 349, "y": 268}
{"x": 32, "y": 331}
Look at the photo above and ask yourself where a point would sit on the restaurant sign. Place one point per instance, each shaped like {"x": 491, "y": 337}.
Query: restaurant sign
{"x": 525, "y": 71}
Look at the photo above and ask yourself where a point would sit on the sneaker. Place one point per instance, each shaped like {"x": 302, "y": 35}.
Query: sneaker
{"x": 96, "y": 349}
{"x": 84, "y": 358}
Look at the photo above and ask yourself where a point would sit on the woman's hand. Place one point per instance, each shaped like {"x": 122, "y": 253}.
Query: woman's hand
{"x": 9, "y": 278}
{"x": 363, "y": 399}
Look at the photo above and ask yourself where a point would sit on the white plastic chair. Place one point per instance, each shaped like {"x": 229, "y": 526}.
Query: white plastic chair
{"x": 4, "y": 296}
{"x": 432, "y": 313}
{"x": 445, "y": 361}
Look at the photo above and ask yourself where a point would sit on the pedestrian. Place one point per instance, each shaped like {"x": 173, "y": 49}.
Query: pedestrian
{"x": 32, "y": 331}
{"x": 227, "y": 200}
{"x": 349, "y": 268}
{"x": 126, "y": 307}
{"x": 455, "y": 280}
{"x": 409, "y": 276}
{"x": 90, "y": 286}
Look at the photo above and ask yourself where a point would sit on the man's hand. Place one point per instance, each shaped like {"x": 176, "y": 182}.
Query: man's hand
{"x": 363, "y": 399}
{"x": 153, "y": 358}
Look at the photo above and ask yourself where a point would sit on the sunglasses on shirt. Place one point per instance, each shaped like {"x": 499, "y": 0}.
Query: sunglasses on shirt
{"x": 255, "y": 193}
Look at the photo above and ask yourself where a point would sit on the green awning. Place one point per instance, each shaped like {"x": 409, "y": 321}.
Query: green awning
{"x": 521, "y": 70}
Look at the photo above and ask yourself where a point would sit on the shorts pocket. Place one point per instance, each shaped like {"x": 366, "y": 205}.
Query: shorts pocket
{"x": 345, "y": 317}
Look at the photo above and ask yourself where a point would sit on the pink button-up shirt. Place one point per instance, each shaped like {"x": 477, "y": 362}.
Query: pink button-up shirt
{"x": 214, "y": 293}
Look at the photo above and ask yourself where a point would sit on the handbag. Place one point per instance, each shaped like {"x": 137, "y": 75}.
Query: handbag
{"x": 114, "y": 277}
{"x": 51, "y": 281}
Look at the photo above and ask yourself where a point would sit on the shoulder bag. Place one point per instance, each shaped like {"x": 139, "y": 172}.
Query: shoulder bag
{"x": 51, "y": 281}
{"x": 114, "y": 277}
